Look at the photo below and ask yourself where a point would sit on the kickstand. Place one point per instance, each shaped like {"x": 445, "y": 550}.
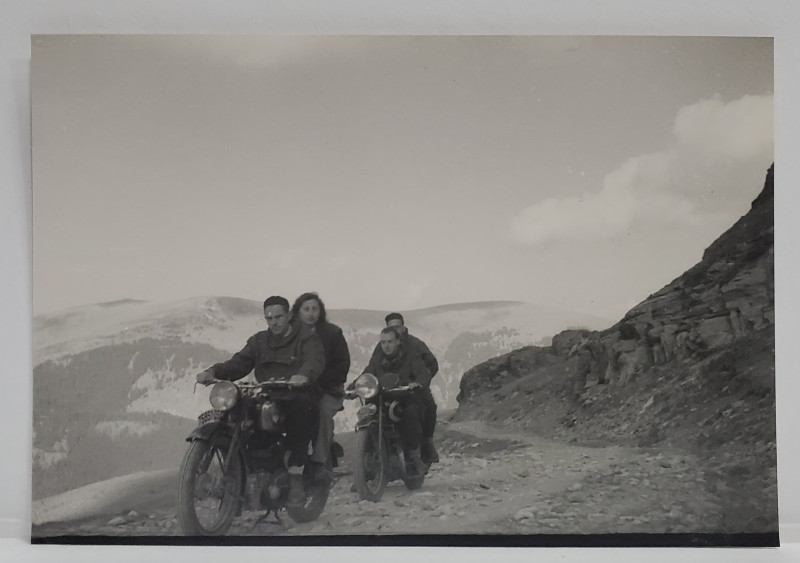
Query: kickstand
{"x": 266, "y": 515}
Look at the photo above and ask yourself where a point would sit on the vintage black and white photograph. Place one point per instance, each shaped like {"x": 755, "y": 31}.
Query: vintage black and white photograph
{"x": 449, "y": 290}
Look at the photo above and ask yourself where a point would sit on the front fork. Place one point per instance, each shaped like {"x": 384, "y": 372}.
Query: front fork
{"x": 233, "y": 448}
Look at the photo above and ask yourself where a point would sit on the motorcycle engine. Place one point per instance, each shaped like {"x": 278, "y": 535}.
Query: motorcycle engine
{"x": 270, "y": 417}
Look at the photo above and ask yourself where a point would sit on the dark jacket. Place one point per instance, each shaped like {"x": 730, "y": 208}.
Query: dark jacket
{"x": 337, "y": 357}
{"x": 407, "y": 365}
{"x": 414, "y": 347}
{"x": 277, "y": 357}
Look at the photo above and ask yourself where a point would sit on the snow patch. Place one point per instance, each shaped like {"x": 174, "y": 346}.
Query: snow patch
{"x": 46, "y": 458}
{"x": 117, "y": 428}
{"x": 97, "y": 498}
{"x": 174, "y": 395}
{"x": 133, "y": 359}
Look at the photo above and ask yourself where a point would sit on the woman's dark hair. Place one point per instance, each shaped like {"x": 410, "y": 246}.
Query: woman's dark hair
{"x": 323, "y": 317}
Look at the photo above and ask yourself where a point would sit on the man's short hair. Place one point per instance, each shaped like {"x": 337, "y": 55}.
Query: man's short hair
{"x": 392, "y": 316}
{"x": 390, "y": 330}
{"x": 277, "y": 300}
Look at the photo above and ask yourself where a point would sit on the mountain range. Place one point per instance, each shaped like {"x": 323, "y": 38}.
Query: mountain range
{"x": 114, "y": 385}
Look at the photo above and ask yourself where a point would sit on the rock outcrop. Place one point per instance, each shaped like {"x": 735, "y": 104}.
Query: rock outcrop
{"x": 692, "y": 361}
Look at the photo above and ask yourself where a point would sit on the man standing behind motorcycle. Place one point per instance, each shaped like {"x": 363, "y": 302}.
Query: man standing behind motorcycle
{"x": 284, "y": 350}
{"x": 395, "y": 357}
{"x": 310, "y": 309}
{"x": 415, "y": 346}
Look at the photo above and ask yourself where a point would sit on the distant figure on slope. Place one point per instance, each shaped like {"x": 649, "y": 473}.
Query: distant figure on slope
{"x": 416, "y": 347}
{"x": 310, "y": 309}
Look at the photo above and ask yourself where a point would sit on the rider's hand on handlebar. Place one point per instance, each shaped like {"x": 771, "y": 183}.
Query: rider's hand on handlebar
{"x": 298, "y": 380}
{"x": 414, "y": 385}
{"x": 206, "y": 377}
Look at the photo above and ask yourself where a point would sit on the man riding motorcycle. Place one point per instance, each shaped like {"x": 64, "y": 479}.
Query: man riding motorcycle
{"x": 284, "y": 350}
{"x": 395, "y": 357}
{"x": 416, "y": 346}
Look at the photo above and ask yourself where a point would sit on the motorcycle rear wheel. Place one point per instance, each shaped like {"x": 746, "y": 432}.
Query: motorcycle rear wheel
{"x": 316, "y": 499}
{"x": 208, "y": 499}
{"x": 371, "y": 466}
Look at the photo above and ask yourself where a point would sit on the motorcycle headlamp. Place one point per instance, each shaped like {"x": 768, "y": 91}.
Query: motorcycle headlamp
{"x": 366, "y": 386}
{"x": 224, "y": 395}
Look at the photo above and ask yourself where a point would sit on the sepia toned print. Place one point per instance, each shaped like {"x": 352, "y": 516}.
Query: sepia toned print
{"x": 578, "y": 229}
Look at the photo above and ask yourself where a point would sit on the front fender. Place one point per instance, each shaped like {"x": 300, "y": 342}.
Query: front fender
{"x": 211, "y": 431}
{"x": 219, "y": 436}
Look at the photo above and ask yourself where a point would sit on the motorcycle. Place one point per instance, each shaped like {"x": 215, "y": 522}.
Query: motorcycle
{"x": 379, "y": 457}
{"x": 236, "y": 460}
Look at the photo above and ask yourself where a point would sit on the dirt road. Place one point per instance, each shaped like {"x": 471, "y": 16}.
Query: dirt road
{"x": 489, "y": 481}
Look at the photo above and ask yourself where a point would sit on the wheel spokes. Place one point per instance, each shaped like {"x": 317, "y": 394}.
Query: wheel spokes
{"x": 211, "y": 488}
{"x": 373, "y": 466}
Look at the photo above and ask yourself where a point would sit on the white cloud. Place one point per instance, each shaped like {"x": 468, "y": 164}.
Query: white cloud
{"x": 664, "y": 188}
{"x": 574, "y": 218}
{"x": 740, "y": 129}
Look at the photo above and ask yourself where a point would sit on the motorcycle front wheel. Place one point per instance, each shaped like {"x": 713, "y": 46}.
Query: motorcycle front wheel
{"x": 371, "y": 471}
{"x": 208, "y": 498}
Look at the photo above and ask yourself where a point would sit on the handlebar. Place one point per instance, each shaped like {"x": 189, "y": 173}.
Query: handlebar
{"x": 273, "y": 384}
{"x": 276, "y": 385}
{"x": 400, "y": 390}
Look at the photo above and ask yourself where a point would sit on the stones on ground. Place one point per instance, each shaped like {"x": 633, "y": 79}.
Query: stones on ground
{"x": 524, "y": 514}
{"x": 116, "y": 521}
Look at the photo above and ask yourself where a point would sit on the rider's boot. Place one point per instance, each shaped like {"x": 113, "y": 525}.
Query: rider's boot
{"x": 429, "y": 453}
{"x": 297, "y": 492}
{"x": 414, "y": 459}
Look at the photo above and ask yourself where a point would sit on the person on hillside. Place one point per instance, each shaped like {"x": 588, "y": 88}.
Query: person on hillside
{"x": 415, "y": 346}
{"x": 287, "y": 348}
{"x": 394, "y": 357}
{"x": 310, "y": 310}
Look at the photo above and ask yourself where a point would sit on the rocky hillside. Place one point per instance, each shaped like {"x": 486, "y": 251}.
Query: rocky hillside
{"x": 691, "y": 366}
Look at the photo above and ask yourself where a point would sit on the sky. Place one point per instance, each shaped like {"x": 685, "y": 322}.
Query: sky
{"x": 390, "y": 172}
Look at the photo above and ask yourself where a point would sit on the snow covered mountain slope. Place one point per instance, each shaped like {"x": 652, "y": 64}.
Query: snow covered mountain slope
{"x": 114, "y": 382}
